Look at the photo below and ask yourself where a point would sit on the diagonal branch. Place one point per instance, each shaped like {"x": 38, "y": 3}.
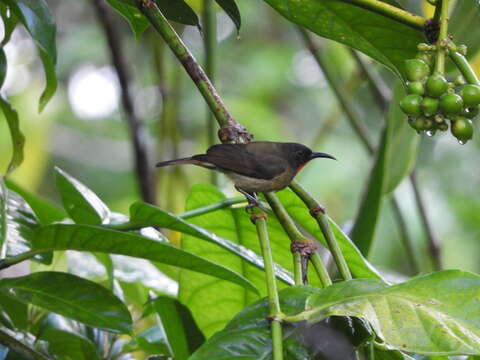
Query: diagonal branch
{"x": 144, "y": 171}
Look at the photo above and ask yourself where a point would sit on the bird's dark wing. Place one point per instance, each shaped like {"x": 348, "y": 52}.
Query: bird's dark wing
{"x": 241, "y": 159}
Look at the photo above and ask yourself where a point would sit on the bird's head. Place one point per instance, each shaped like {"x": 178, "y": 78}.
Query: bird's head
{"x": 299, "y": 155}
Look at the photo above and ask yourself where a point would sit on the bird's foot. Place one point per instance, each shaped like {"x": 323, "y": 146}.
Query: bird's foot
{"x": 252, "y": 200}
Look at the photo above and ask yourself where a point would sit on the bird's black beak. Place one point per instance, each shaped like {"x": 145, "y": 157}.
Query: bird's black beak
{"x": 321, "y": 155}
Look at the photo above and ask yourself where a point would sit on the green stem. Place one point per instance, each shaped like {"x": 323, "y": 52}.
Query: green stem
{"x": 204, "y": 85}
{"x": 322, "y": 220}
{"x": 273, "y": 300}
{"x": 212, "y": 207}
{"x": 442, "y": 37}
{"x": 297, "y": 269}
{"x": 210, "y": 46}
{"x": 8, "y": 338}
{"x": 391, "y": 12}
{"x": 7, "y": 262}
{"x": 321, "y": 270}
{"x": 463, "y": 65}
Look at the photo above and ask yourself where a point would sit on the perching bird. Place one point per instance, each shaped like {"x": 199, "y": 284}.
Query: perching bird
{"x": 256, "y": 166}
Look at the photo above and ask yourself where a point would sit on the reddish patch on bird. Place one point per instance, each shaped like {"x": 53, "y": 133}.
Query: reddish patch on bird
{"x": 300, "y": 167}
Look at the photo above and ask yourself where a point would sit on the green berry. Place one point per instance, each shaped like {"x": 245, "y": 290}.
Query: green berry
{"x": 427, "y": 57}
{"x": 415, "y": 87}
{"x": 442, "y": 126}
{"x": 471, "y": 95}
{"x": 429, "y": 106}
{"x": 462, "y": 129}
{"x": 410, "y": 104}
{"x": 436, "y": 85}
{"x": 418, "y": 123}
{"x": 451, "y": 104}
{"x": 416, "y": 69}
{"x": 471, "y": 112}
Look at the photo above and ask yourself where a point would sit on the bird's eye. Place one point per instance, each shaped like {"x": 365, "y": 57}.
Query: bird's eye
{"x": 299, "y": 153}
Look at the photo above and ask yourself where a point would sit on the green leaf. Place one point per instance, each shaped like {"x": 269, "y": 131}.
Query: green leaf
{"x": 231, "y": 9}
{"x": 16, "y": 311}
{"x": 81, "y": 203}
{"x": 199, "y": 293}
{"x": 183, "y": 334}
{"x": 384, "y": 39}
{"x": 9, "y": 23}
{"x": 72, "y": 297}
{"x": 21, "y": 223}
{"x": 402, "y": 144}
{"x": 134, "y": 17}
{"x": 178, "y": 11}
{"x": 438, "y": 313}
{"x": 391, "y": 355}
{"x": 90, "y": 238}
{"x": 3, "y": 66}
{"x": 68, "y": 345}
{"x": 358, "y": 265}
{"x": 37, "y": 19}
{"x": 149, "y": 215}
{"x": 464, "y": 18}
{"x": 247, "y": 336}
{"x": 151, "y": 341}
{"x": 18, "y": 140}
{"x": 46, "y": 211}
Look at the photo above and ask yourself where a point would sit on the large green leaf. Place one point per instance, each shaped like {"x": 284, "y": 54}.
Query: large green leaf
{"x": 134, "y": 17}
{"x": 438, "y": 313}
{"x": 18, "y": 223}
{"x": 3, "y": 66}
{"x": 73, "y": 297}
{"x": 18, "y": 139}
{"x": 358, "y": 265}
{"x": 90, "y": 238}
{"x": 247, "y": 336}
{"x": 199, "y": 293}
{"x": 183, "y": 334}
{"x": 149, "y": 215}
{"x": 402, "y": 144}
{"x": 37, "y": 19}
{"x": 384, "y": 39}
{"x": 81, "y": 203}
{"x": 46, "y": 211}
{"x": 9, "y": 22}
{"x": 16, "y": 311}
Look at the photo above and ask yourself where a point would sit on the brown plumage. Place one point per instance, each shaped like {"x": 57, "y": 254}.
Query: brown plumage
{"x": 254, "y": 167}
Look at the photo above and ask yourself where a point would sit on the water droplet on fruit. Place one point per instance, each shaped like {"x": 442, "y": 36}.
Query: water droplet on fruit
{"x": 461, "y": 142}
{"x": 430, "y": 133}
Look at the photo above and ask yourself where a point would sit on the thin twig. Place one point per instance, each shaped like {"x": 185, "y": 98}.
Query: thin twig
{"x": 144, "y": 171}
{"x": 433, "y": 243}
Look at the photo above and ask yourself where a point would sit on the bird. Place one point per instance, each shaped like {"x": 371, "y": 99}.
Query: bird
{"x": 254, "y": 167}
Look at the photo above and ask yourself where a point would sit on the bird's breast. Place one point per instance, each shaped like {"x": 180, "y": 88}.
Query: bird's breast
{"x": 251, "y": 184}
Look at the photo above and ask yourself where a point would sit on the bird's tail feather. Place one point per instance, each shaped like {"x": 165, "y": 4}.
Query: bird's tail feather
{"x": 181, "y": 161}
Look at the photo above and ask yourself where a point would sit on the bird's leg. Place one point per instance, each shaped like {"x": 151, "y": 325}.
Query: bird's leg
{"x": 252, "y": 199}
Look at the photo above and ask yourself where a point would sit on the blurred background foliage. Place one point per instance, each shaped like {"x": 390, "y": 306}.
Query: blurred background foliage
{"x": 271, "y": 84}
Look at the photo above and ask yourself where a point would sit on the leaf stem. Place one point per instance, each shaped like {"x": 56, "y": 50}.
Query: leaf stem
{"x": 464, "y": 67}
{"x": 8, "y": 338}
{"x": 234, "y": 131}
{"x": 391, "y": 12}
{"x": 273, "y": 300}
{"x": 317, "y": 213}
{"x": 442, "y": 37}
{"x": 212, "y": 207}
{"x": 10, "y": 261}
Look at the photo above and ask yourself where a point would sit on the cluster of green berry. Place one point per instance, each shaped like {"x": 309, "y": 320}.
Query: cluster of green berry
{"x": 432, "y": 100}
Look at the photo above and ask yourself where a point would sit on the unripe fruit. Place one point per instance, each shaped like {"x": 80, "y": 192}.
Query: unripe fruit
{"x": 418, "y": 123}
{"x": 436, "y": 85}
{"x": 410, "y": 104}
{"x": 462, "y": 129}
{"x": 442, "y": 127}
{"x": 427, "y": 57}
{"x": 451, "y": 104}
{"x": 416, "y": 69}
{"x": 415, "y": 87}
{"x": 471, "y": 95}
{"x": 429, "y": 106}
